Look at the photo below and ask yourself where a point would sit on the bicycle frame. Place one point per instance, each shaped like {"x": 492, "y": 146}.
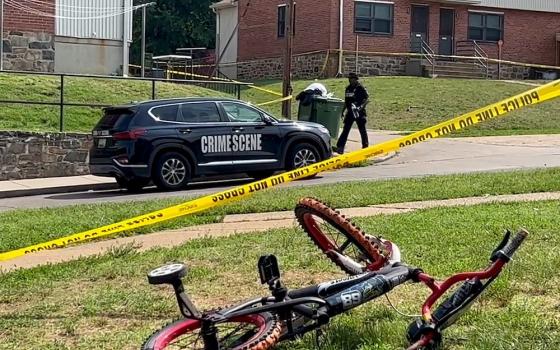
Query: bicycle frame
{"x": 319, "y": 303}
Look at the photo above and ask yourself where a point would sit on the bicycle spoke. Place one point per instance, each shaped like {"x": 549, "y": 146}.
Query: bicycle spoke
{"x": 345, "y": 245}
{"x": 348, "y": 247}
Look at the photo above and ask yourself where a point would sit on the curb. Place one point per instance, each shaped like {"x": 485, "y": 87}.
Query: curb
{"x": 58, "y": 189}
{"x": 111, "y": 186}
{"x": 385, "y": 158}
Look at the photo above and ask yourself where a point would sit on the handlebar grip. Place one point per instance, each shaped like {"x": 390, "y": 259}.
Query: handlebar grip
{"x": 514, "y": 243}
{"x": 311, "y": 291}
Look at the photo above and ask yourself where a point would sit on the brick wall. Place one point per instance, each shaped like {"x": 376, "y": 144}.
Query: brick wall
{"x": 29, "y": 38}
{"x": 529, "y": 36}
{"x": 258, "y": 30}
{"x": 20, "y": 20}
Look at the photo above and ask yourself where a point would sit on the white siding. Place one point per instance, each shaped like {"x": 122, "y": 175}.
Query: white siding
{"x": 531, "y": 5}
{"x": 82, "y": 19}
{"x": 227, "y": 23}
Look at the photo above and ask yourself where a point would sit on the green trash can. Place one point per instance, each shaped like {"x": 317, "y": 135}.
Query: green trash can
{"x": 325, "y": 111}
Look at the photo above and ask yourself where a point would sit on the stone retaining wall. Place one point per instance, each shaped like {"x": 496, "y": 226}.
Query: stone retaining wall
{"x": 509, "y": 72}
{"x": 369, "y": 65}
{"x": 25, "y": 155}
{"x": 314, "y": 66}
{"x": 29, "y": 51}
{"x": 304, "y": 67}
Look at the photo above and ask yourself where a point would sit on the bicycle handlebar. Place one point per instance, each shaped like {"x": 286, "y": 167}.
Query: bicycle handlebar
{"x": 466, "y": 294}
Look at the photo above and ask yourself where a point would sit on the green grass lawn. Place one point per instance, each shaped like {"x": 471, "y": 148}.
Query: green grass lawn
{"x": 105, "y": 302}
{"x": 76, "y": 90}
{"x": 21, "y": 228}
{"x": 411, "y": 104}
{"x": 399, "y": 103}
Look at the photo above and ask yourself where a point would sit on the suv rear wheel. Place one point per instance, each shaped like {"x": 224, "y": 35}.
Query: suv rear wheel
{"x": 172, "y": 171}
{"x": 302, "y": 155}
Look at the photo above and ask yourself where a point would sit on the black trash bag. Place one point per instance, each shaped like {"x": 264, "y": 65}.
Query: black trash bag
{"x": 305, "y": 97}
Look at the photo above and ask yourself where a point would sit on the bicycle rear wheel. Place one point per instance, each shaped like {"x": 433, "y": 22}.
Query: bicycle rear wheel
{"x": 331, "y": 231}
{"x": 252, "y": 332}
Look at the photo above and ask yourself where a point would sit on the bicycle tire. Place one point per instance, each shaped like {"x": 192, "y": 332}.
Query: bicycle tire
{"x": 266, "y": 335}
{"x": 371, "y": 247}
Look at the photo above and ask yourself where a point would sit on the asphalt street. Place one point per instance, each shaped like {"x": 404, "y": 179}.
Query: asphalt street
{"x": 436, "y": 157}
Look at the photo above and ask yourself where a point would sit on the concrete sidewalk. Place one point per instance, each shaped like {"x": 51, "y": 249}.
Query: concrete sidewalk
{"x": 243, "y": 223}
{"x": 52, "y": 185}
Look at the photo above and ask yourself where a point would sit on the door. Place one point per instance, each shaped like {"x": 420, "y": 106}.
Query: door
{"x": 419, "y": 32}
{"x": 202, "y": 130}
{"x": 255, "y": 143}
{"x": 446, "y": 31}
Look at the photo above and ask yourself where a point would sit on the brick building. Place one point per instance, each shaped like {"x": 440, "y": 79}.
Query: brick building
{"x": 528, "y": 29}
{"x": 67, "y": 36}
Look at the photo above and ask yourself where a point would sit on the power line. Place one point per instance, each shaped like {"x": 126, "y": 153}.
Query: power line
{"x": 27, "y": 9}
{"x": 52, "y": 5}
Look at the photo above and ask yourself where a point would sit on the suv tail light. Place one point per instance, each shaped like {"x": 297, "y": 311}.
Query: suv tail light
{"x": 129, "y": 135}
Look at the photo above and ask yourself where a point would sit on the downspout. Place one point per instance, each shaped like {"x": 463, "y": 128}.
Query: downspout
{"x": 340, "y": 36}
{"x": 217, "y": 50}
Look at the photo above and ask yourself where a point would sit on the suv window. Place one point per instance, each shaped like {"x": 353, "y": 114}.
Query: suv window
{"x": 116, "y": 119}
{"x": 167, "y": 113}
{"x": 199, "y": 113}
{"x": 237, "y": 112}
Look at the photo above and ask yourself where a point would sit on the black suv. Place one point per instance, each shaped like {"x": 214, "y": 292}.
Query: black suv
{"x": 171, "y": 141}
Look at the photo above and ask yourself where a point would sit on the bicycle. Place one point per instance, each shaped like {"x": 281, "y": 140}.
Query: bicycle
{"x": 261, "y": 323}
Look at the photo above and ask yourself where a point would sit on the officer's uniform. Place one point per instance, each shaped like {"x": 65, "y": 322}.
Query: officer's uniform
{"x": 355, "y": 96}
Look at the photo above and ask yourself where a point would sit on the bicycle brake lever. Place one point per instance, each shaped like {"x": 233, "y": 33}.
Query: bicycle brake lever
{"x": 502, "y": 244}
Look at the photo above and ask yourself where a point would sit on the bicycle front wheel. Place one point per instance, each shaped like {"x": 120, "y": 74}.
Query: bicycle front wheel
{"x": 252, "y": 332}
{"x": 331, "y": 231}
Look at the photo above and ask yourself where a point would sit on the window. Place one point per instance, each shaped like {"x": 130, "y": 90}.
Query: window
{"x": 237, "y": 112}
{"x": 167, "y": 113}
{"x": 199, "y": 113}
{"x": 282, "y": 17}
{"x": 486, "y": 26}
{"x": 282, "y": 21}
{"x": 373, "y": 18}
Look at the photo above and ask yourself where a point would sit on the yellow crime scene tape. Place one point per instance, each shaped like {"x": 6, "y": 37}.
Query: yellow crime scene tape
{"x": 531, "y": 97}
{"x": 275, "y": 101}
{"x": 226, "y": 80}
{"x": 272, "y": 92}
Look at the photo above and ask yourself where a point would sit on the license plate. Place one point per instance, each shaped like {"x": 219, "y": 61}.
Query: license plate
{"x": 101, "y": 143}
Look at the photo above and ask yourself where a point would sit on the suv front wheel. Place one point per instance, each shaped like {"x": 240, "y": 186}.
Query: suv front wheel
{"x": 172, "y": 171}
{"x": 302, "y": 155}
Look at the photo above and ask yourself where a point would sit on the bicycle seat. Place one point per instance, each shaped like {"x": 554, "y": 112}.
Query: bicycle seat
{"x": 167, "y": 274}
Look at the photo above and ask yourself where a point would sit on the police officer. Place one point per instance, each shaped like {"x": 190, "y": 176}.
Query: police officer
{"x": 356, "y": 99}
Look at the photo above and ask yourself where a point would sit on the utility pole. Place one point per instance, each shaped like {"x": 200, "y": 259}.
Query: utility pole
{"x": 287, "y": 81}
{"x": 143, "y": 54}
{"x": 124, "y": 40}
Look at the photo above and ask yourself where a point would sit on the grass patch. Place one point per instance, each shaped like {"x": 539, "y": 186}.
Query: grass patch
{"x": 21, "y": 228}
{"x": 399, "y": 103}
{"x": 410, "y": 104}
{"x": 105, "y": 302}
{"x": 76, "y": 90}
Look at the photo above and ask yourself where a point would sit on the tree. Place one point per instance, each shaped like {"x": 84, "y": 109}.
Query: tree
{"x": 172, "y": 24}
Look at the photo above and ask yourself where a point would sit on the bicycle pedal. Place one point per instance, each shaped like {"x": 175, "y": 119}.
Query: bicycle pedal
{"x": 167, "y": 274}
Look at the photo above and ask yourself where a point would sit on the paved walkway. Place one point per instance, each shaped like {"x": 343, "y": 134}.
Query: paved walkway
{"x": 245, "y": 223}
